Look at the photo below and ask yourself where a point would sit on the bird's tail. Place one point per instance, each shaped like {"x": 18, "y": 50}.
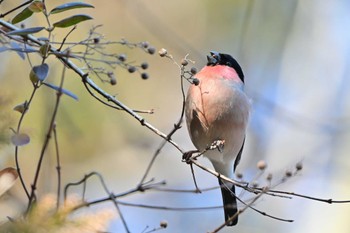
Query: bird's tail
{"x": 229, "y": 201}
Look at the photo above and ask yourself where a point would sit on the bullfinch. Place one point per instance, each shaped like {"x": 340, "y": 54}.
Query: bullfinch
{"x": 217, "y": 109}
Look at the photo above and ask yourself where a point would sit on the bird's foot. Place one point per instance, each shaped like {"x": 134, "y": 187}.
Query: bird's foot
{"x": 217, "y": 144}
{"x": 187, "y": 156}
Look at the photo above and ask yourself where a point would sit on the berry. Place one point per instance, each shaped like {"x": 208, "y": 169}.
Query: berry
{"x": 144, "y": 76}
{"x": 132, "y": 69}
{"x": 193, "y": 70}
{"x": 151, "y": 50}
{"x": 122, "y": 57}
{"x": 195, "y": 81}
{"x": 144, "y": 65}
{"x": 145, "y": 44}
{"x": 96, "y": 40}
{"x": 113, "y": 81}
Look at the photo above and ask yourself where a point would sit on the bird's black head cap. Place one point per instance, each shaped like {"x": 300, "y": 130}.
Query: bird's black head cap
{"x": 216, "y": 58}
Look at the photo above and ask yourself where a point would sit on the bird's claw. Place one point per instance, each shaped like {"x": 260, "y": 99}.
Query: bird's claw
{"x": 187, "y": 156}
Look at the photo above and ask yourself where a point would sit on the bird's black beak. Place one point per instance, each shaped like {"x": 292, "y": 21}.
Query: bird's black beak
{"x": 213, "y": 58}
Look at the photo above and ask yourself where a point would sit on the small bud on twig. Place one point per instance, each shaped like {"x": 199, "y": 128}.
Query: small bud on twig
{"x": 21, "y": 107}
{"x": 269, "y": 177}
{"x": 288, "y": 173}
{"x": 255, "y": 184}
{"x": 299, "y": 166}
{"x": 163, "y": 224}
{"x": 163, "y": 52}
{"x": 261, "y": 165}
{"x": 184, "y": 62}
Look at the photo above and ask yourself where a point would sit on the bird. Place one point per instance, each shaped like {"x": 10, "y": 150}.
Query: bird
{"x": 217, "y": 110}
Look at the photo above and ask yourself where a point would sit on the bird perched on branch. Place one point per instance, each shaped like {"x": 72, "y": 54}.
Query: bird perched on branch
{"x": 217, "y": 110}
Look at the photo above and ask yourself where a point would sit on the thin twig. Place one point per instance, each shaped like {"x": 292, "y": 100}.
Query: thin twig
{"x": 151, "y": 111}
{"x": 26, "y": 107}
{"x": 329, "y": 201}
{"x": 115, "y": 196}
{"x": 194, "y": 179}
{"x": 177, "y": 125}
{"x": 83, "y": 180}
{"x": 111, "y": 195}
{"x": 47, "y": 139}
{"x": 168, "y": 208}
{"x": 65, "y": 38}
{"x": 185, "y": 190}
{"x": 16, "y": 8}
{"x": 58, "y": 167}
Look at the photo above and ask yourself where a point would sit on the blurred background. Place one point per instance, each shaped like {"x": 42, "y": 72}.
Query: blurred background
{"x": 296, "y": 59}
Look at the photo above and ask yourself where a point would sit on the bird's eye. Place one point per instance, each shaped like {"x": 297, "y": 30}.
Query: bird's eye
{"x": 228, "y": 64}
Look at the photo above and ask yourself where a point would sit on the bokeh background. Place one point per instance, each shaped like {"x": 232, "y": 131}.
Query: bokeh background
{"x": 296, "y": 59}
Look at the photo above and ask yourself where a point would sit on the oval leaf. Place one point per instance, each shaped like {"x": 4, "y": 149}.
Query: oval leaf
{"x": 21, "y": 107}
{"x": 16, "y": 47}
{"x": 41, "y": 71}
{"x": 36, "y": 6}
{"x": 64, "y": 91}
{"x": 24, "y": 32}
{"x": 24, "y": 50}
{"x": 25, "y": 14}
{"x": 8, "y": 177}
{"x": 69, "y": 6}
{"x": 21, "y": 51}
{"x": 20, "y": 139}
{"x": 70, "y": 21}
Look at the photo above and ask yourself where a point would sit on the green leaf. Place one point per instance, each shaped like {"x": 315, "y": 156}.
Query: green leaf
{"x": 20, "y": 139}
{"x": 25, "y": 14}
{"x": 21, "y": 108}
{"x": 41, "y": 71}
{"x": 64, "y": 91}
{"x": 70, "y": 21}
{"x": 24, "y": 32}
{"x": 69, "y": 6}
{"x": 36, "y": 6}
